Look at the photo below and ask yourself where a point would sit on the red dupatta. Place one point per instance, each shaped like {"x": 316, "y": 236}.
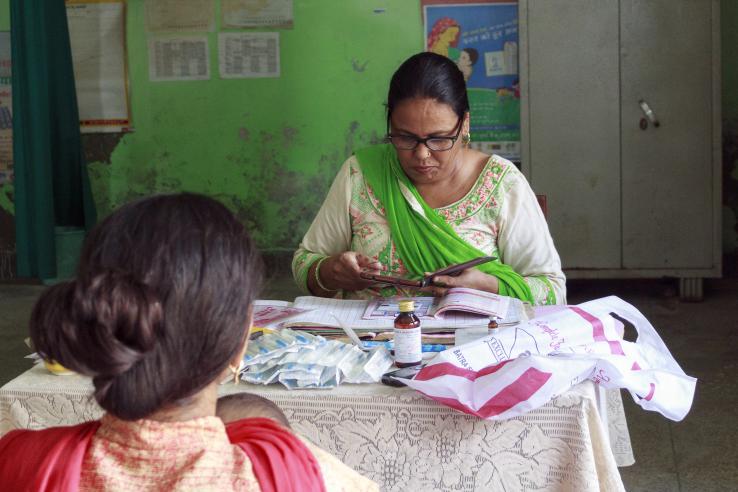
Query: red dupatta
{"x": 281, "y": 462}
{"x": 51, "y": 459}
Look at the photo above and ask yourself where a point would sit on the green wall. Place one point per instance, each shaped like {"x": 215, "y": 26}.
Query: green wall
{"x": 268, "y": 148}
{"x": 4, "y": 15}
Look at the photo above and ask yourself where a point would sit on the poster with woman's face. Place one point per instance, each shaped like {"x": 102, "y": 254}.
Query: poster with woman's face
{"x": 482, "y": 39}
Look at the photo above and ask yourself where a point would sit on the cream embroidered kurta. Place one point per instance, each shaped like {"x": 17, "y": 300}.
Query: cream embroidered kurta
{"x": 499, "y": 215}
{"x": 146, "y": 455}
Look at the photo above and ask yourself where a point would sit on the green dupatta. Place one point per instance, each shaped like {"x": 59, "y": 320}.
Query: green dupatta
{"x": 424, "y": 240}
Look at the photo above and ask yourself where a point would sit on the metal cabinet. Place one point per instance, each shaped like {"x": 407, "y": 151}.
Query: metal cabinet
{"x": 620, "y": 120}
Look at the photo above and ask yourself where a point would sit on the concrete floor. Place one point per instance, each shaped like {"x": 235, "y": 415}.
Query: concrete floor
{"x": 698, "y": 454}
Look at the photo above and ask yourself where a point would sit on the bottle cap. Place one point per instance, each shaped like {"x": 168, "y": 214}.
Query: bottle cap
{"x": 407, "y": 306}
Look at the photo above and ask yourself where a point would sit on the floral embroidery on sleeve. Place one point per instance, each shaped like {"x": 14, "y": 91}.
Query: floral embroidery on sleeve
{"x": 542, "y": 290}
{"x": 301, "y": 263}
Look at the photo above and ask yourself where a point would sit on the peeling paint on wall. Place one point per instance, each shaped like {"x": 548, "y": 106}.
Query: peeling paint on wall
{"x": 289, "y": 135}
{"x": 6, "y": 198}
{"x": 7, "y": 245}
{"x": 267, "y": 148}
{"x": 357, "y": 66}
{"x": 350, "y": 136}
{"x": 99, "y": 147}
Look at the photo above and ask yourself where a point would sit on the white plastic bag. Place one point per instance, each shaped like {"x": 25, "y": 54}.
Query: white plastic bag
{"x": 522, "y": 367}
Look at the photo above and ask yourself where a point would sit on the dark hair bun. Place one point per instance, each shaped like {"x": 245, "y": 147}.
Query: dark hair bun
{"x": 100, "y": 327}
{"x": 160, "y": 306}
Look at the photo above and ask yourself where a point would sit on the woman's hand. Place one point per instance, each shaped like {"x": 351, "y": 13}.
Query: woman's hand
{"x": 342, "y": 271}
{"x": 470, "y": 278}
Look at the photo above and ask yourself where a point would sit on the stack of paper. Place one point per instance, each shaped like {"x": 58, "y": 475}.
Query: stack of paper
{"x": 466, "y": 308}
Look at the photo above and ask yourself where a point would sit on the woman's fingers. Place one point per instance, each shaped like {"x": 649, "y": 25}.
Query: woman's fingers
{"x": 439, "y": 291}
{"x": 369, "y": 265}
{"x": 343, "y": 271}
{"x": 346, "y": 269}
{"x": 350, "y": 260}
{"x": 445, "y": 281}
{"x": 365, "y": 261}
{"x": 352, "y": 265}
{"x": 471, "y": 278}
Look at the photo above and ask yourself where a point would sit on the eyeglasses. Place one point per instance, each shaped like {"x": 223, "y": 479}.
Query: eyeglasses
{"x": 438, "y": 144}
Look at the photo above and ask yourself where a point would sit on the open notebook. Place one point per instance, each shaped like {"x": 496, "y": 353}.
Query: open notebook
{"x": 463, "y": 308}
{"x": 457, "y": 301}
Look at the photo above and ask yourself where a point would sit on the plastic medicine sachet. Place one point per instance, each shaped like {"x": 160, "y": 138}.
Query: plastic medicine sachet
{"x": 300, "y": 360}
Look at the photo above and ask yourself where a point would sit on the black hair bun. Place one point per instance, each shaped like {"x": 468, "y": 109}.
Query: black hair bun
{"x": 100, "y": 327}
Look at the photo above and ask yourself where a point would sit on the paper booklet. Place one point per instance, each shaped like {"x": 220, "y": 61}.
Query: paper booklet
{"x": 460, "y": 308}
{"x": 457, "y": 299}
{"x": 269, "y": 313}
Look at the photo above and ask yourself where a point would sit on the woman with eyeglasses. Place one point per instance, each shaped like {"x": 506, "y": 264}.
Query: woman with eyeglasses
{"x": 427, "y": 200}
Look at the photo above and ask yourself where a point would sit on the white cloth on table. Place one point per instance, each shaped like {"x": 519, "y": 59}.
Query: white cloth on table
{"x": 398, "y": 437}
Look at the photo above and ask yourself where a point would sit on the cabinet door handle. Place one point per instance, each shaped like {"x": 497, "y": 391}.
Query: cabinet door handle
{"x": 649, "y": 113}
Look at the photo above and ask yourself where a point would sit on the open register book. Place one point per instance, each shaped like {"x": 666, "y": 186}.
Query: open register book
{"x": 460, "y": 308}
{"x": 459, "y": 301}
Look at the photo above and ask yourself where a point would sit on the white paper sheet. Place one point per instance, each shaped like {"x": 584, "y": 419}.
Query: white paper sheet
{"x": 483, "y": 304}
{"x": 248, "y": 55}
{"x": 271, "y": 313}
{"x": 180, "y": 15}
{"x": 256, "y": 13}
{"x": 97, "y": 37}
{"x": 179, "y": 58}
{"x": 322, "y": 312}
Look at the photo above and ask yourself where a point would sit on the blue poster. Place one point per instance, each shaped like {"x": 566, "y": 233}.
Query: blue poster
{"x": 482, "y": 38}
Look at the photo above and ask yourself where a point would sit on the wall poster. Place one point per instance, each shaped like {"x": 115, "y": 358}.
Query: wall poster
{"x": 244, "y": 55}
{"x": 179, "y": 58}
{"x": 97, "y": 34}
{"x": 238, "y": 14}
{"x": 180, "y": 15}
{"x": 482, "y": 38}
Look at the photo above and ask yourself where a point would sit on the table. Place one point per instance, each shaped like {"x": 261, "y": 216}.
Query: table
{"x": 398, "y": 437}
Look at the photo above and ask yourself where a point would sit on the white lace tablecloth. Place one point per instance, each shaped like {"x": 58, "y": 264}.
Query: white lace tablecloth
{"x": 398, "y": 437}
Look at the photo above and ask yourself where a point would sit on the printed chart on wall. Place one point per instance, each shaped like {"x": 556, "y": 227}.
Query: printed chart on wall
{"x": 6, "y": 111}
{"x": 97, "y": 35}
{"x": 179, "y": 58}
{"x": 256, "y": 13}
{"x": 482, "y": 38}
{"x": 248, "y": 55}
{"x": 178, "y": 15}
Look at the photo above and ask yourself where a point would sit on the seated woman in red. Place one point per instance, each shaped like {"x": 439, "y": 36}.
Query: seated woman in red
{"x": 158, "y": 315}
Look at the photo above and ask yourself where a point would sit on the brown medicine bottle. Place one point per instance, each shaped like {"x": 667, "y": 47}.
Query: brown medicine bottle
{"x": 407, "y": 336}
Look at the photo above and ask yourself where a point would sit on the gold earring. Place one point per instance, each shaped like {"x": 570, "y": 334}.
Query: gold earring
{"x": 234, "y": 371}
{"x": 466, "y": 139}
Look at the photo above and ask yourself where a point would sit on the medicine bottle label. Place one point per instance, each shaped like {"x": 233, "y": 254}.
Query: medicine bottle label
{"x": 407, "y": 346}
